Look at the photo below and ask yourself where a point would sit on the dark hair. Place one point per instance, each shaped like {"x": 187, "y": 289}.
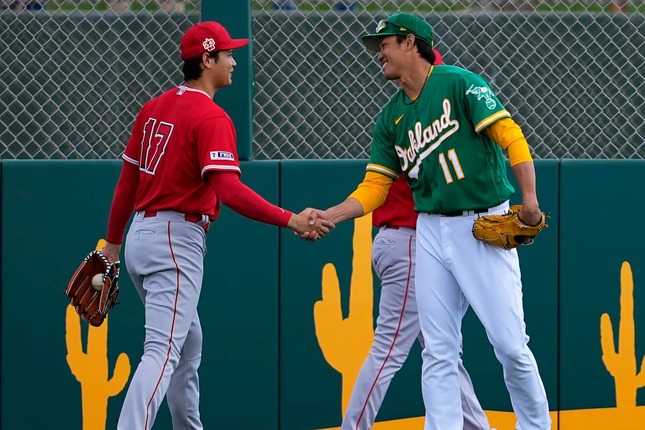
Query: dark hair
{"x": 425, "y": 50}
{"x": 193, "y": 68}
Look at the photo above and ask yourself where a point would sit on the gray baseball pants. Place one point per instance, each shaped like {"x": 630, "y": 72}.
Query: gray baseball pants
{"x": 397, "y": 327}
{"x": 164, "y": 256}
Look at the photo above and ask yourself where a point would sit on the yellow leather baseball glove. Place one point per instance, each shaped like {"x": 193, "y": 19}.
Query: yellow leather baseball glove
{"x": 507, "y": 231}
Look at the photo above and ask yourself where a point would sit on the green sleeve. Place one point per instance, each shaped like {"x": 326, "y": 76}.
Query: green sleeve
{"x": 383, "y": 158}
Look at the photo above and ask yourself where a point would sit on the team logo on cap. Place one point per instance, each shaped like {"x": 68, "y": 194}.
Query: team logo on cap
{"x": 209, "y": 44}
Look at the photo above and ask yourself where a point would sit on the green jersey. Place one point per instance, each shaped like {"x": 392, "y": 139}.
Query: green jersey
{"x": 437, "y": 142}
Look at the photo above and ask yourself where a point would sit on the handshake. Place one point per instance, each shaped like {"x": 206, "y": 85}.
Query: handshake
{"x": 311, "y": 224}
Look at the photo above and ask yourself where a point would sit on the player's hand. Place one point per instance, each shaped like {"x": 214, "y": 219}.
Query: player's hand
{"x": 111, "y": 251}
{"x": 311, "y": 231}
{"x": 315, "y": 216}
{"x": 530, "y": 214}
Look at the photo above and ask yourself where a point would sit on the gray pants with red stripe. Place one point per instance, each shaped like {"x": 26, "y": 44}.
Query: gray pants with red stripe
{"x": 397, "y": 328}
{"x": 164, "y": 256}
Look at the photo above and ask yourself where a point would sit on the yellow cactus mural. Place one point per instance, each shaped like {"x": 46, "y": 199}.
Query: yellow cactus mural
{"x": 91, "y": 368}
{"x": 621, "y": 362}
{"x": 345, "y": 342}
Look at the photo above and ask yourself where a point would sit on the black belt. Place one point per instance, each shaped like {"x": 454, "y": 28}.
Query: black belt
{"x": 465, "y": 213}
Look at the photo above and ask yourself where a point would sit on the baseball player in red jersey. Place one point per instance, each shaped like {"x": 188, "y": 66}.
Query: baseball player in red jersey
{"x": 178, "y": 166}
{"x": 397, "y": 326}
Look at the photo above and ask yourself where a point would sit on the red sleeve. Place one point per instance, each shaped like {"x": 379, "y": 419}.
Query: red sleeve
{"x": 243, "y": 200}
{"x": 123, "y": 202}
{"x": 216, "y": 143}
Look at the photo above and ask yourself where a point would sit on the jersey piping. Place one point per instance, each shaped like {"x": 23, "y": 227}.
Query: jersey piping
{"x": 183, "y": 88}
{"x": 383, "y": 170}
{"x": 491, "y": 119}
{"x": 130, "y": 160}
{"x": 220, "y": 167}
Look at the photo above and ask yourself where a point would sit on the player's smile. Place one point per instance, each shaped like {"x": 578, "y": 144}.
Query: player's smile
{"x": 384, "y": 61}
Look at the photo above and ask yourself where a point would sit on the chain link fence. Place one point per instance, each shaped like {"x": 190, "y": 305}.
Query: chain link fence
{"x": 74, "y": 74}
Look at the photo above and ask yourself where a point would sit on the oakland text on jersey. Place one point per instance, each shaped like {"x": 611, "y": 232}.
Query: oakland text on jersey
{"x": 438, "y": 131}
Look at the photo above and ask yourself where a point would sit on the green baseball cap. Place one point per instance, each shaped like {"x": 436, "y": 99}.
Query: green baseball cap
{"x": 400, "y": 23}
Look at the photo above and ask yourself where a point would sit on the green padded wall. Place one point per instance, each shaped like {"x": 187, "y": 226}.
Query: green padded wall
{"x": 239, "y": 313}
{"x": 309, "y": 387}
{"x": 261, "y": 350}
{"x": 55, "y": 211}
{"x": 602, "y": 203}
{"x": 52, "y": 215}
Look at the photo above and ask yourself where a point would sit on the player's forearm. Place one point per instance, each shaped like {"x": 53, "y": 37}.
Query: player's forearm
{"x": 348, "y": 209}
{"x": 243, "y": 200}
{"x": 525, "y": 175}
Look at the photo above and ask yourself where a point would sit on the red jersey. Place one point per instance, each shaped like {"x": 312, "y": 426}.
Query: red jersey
{"x": 177, "y": 138}
{"x": 398, "y": 209}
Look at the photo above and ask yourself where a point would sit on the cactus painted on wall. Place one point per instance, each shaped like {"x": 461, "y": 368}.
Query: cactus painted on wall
{"x": 345, "y": 342}
{"x": 91, "y": 368}
{"x": 621, "y": 362}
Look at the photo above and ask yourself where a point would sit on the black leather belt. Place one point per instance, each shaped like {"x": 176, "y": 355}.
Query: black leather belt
{"x": 465, "y": 213}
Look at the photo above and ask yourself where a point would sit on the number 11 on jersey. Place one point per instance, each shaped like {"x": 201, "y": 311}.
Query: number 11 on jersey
{"x": 454, "y": 160}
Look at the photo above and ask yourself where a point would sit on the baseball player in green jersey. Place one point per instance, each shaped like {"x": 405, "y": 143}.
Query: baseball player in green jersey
{"x": 445, "y": 131}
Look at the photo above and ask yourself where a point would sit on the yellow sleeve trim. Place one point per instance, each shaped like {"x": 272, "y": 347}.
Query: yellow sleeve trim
{"x": 371, "y": 193}
{"x": 507, "y": 134}
{"x": 377, "y": 168}
{"x": 491, "y": 119}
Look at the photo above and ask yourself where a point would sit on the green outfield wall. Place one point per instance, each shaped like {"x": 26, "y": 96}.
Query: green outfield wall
{"x": 281, "y": 355}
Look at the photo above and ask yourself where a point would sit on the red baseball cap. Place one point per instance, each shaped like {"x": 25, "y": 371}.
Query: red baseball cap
{"x": 206, "y": 37}
{"x": 437, "y": 56}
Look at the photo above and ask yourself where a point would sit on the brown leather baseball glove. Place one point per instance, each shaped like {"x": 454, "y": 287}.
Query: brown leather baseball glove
{"x": 507, "y": 231}
{"x": 92, "y": 301}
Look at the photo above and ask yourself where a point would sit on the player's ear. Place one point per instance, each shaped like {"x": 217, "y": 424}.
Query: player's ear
{"x": 409, "y": 40}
